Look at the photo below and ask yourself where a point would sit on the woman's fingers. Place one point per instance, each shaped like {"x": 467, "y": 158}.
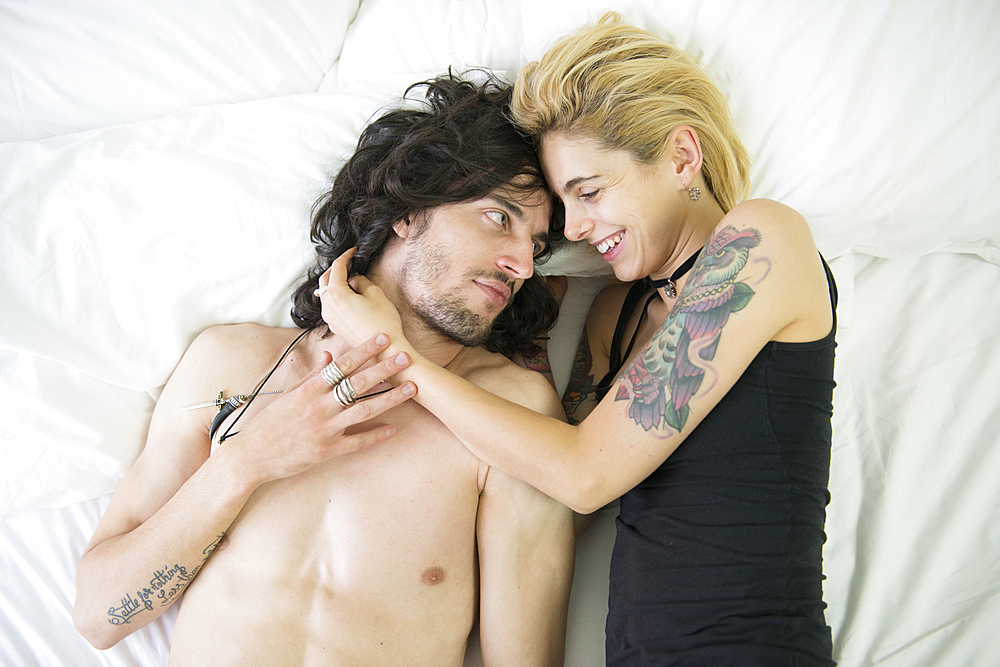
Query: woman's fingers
{"x": 378, "y": 374}
{"x": 347, "y": 384}
{"x": 360, "y": 284}
{"x": 355, "y": 358}
{"x": 369, "y": 409}
{"x": 337, "y": 273}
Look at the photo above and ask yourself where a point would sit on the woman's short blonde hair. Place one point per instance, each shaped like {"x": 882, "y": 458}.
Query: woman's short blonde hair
{"x": 629, "y": 89}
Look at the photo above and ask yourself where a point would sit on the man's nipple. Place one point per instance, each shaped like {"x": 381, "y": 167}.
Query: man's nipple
{"x": 432, "y": 576}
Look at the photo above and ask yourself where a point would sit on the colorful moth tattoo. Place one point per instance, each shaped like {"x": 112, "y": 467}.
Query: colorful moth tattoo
{"x": 664, "y": 376}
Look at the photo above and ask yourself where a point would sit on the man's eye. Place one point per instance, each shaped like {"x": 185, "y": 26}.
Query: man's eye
{"x": 536, "y": 248}
{"x": 498, "y": 217}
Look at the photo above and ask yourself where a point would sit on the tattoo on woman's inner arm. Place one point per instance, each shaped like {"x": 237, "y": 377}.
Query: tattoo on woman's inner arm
{"x": 581, "y": 383}
{"x": 669, "y": 370}
{"x": 165, "y": 585}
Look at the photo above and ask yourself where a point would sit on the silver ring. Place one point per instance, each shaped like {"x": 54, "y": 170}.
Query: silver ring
{"x": 321, "y": 291}
{"x": 332, "y": 374}
{"x": 344, "y": 393}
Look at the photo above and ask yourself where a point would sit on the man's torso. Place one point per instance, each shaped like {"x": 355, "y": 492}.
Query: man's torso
{"x": 366, "y": 559}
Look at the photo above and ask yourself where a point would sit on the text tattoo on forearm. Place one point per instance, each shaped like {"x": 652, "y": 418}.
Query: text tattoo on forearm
{"x": 165, "y": 586}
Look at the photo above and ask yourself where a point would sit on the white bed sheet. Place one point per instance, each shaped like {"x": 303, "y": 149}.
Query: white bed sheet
{"x": 158, "y": 162}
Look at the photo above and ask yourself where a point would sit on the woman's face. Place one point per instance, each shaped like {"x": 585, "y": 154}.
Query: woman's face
{"x": 621, "y": 207}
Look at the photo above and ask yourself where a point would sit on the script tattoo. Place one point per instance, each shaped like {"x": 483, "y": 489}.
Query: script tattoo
{"x": 129, "y": 608}
{"x": 581, "y": 380}
{"x": 164, "y": 587}
{"x": 670, "y": 368}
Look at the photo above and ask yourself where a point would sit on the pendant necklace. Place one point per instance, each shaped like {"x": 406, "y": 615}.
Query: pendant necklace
{"x": 227, "y": 407}
{"x": 670, "y": 284}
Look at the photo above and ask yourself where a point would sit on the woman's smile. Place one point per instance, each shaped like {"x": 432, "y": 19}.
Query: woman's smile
{"x": 608, "y": 245}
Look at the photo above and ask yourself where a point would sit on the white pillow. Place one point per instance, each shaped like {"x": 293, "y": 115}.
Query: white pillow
{"x": 396, "y": 36}
{"x": 64, "y": 436}
{"x": 120, "y": 245}
{"x": 70, "y": 65}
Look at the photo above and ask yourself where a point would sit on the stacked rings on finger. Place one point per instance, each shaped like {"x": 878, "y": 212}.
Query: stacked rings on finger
{"x": 332, "y": 374}
{"x": 344, "y": 393}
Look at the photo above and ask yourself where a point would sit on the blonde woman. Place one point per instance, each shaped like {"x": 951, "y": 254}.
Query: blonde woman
{"x": 712, "y": 421}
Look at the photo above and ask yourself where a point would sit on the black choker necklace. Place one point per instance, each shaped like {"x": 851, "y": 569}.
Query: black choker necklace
{"x": 671, "y": 283}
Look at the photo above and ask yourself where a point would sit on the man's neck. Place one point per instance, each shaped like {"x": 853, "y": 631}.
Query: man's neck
{"x": 430, "y": 343}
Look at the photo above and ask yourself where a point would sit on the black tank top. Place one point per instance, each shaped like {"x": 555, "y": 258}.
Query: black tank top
{"x": 718, "y": 554}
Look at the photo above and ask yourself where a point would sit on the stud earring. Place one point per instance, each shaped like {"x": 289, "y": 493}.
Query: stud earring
{"x": 695, "y": 193}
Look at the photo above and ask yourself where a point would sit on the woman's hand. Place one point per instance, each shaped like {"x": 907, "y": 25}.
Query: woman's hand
{"x": 308, "y": 423}
{"x": 359, "y": 309}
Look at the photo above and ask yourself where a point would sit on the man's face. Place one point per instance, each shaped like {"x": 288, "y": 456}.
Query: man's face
{"x": 465, "y": 262}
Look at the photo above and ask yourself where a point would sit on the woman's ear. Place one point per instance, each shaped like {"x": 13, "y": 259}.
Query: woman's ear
{"x": 684, "y": 150}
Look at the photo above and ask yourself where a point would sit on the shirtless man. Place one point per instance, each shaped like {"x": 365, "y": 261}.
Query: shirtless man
{"x": 306, "y": 551}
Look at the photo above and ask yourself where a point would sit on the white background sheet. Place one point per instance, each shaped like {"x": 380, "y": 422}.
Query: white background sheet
{"x": 158, "y": 162}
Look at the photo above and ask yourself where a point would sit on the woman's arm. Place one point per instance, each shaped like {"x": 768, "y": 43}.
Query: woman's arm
{"x": 591, "y": 361}
{"x": 539, "y": 361}
{"x": 763, "y": 280}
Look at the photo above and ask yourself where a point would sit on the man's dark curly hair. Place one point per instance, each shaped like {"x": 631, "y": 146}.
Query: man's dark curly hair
{"x": 459, "y": 146}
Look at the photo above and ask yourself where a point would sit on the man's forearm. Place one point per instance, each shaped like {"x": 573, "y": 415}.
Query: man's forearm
{"x": 127, "y": 581}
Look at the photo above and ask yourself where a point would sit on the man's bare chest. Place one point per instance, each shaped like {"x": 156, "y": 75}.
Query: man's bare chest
{"x": 411, "y": 500}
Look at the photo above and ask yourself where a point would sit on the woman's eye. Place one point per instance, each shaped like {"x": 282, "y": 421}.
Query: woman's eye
{"x": 588, "y": 194}
{"x": 498, "y": 217}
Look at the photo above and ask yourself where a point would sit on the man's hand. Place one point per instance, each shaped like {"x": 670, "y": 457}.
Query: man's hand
{"x": 176, "y": 501}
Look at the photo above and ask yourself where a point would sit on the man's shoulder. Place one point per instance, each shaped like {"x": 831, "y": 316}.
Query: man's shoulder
{"x": 231, "y": 348}
{"x": 500, "y": 376}
{"x": 246, "y": 337}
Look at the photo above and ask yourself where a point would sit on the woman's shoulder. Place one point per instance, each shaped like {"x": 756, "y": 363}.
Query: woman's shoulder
{"x": 778, "y": 262}
{"x": 608, "y": 302}
{"x": 775, "y": 230}
{"x": 606, "y": 310}
{"x": 767, "y": 216}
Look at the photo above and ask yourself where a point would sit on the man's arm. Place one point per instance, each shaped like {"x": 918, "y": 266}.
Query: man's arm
{"x": 176, "y": 502}
{"x": 166, "y": 516}
{"x": 526, "y": 557}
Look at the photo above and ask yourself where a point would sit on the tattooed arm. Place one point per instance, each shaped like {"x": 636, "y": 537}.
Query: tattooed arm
{"x": 590, "y": 363}
{"x": 176, "y": 503}
{"x": 539, "y": 361}
{"x": 760, "y": 279}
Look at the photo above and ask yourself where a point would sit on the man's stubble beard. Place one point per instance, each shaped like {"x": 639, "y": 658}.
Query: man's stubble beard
{"x": 418, "y": 279}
